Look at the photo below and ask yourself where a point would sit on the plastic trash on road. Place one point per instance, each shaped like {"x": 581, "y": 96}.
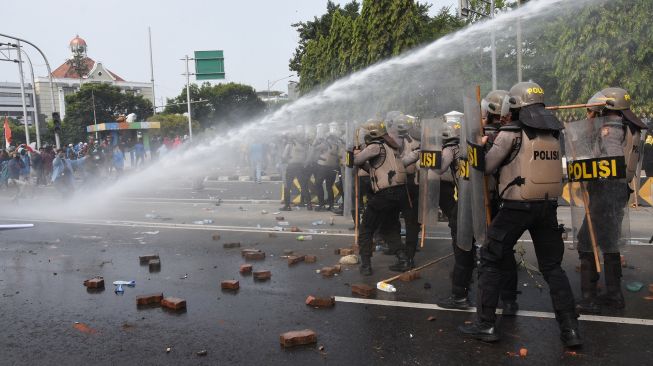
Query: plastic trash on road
{"x": 305, "y": 237}
{"x": 386, "y": 287}
{"x": 318, "y": 222}
{"x": 126, "y": 283}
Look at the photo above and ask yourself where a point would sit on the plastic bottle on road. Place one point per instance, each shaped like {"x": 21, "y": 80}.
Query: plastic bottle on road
{"x": 305, "y": 237}
{"x": 385, "y": 287}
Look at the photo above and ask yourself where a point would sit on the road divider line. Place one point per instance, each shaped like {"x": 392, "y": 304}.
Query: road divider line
{"x": 524, "y": 313}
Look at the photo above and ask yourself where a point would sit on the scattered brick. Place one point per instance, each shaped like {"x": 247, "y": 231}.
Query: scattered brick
{"x": 149, "y": 299}
{"x": 231, "y": 245}
{"x": 287, "y": 252}
{"x": 409, "y": 276}
{"x": 363, "y": 290}
{"x": 321, "y": 302}
{"x": 336, "y": 251}
{"x": 262, "y": 275}
{"x": 346, "y": 251}
{"x": 328, "y": 271}
{"x": 295, "y": 229}
{"x": 215, "y": 237}
{"x": 338, "y": 268}
{"x": 297, "y": 338}
{"x": 230, "y": 285}
{"x": 155, "y": 265}
{"x": 243, "y": 252}
{"x": 310, "y": 259}
{"x": 173, "y": 303}
{"x": 294, "y": 259}
{"x": 431, "y": 318}
{"x": 280, "y": 218}
{"x": 95, "y": 282}
{"x": 245, "y": 268}
{"x": 145, "y": 259}
{"x": 255, "y": 256}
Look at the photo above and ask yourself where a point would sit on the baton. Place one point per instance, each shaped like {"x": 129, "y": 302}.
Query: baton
{"x": 574, "y": 106}
{"x": 437, "y": 260}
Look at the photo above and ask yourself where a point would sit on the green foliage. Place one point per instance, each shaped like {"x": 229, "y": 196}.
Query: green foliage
{"x": 353, "y": 41}
{"x": 226, "y": 105}
{"x": 603, "y": 46}
{"x": 173, "y": 125}
{"x": 109, "y": 102}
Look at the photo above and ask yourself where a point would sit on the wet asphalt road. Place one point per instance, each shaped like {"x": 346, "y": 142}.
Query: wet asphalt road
{"x": 42, "y": 270}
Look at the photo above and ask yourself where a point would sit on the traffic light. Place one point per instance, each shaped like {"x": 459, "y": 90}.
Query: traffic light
{"x": 57, "y": 122}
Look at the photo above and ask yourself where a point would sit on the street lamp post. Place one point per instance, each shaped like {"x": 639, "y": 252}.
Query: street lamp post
{"x": 47, "y": 64}
{"x": 190, "y": 127}
{"x": 22, "y": 91}
{"x": 271, "y": 84}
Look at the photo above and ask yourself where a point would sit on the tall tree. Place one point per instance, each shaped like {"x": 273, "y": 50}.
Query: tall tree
{"x": 108, "y": 100}
{"x": 229, "y": 104}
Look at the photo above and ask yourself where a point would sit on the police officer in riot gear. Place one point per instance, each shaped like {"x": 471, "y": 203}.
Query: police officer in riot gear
{"x": 527, "y": 154}
{"x": 620, "y": 132}
{"x": 387, "y": 179}
{"x": 294, "y": 155}
{"x": 410, "y": 148}
{"x": 327, "y": 151}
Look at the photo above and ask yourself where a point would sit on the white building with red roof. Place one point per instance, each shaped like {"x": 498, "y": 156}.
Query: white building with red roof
{"x": 77, "y": 70}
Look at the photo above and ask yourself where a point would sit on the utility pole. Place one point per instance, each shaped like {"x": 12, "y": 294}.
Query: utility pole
{"x": 190, "y": 127}
{"x": 519, "y": 42}
{"x": 94, "y": 115}
{"x": 494, "y": 49}
{"x": 149, "y": 32}
{"x": 22, "y": 90}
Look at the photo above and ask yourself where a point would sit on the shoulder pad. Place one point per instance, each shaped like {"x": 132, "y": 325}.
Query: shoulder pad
{"x": 510, "y": 128}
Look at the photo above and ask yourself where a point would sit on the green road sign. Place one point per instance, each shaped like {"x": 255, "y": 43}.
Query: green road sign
{"x": 209, "y": 65}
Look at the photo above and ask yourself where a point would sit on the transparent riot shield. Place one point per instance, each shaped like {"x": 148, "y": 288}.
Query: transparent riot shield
{"x": 429, "y": 180}
{"x": 596, "y": 170}
{"x": 465, "y": 236}
{"x": 348, "y": 174}
{"x": 479, "y": 201}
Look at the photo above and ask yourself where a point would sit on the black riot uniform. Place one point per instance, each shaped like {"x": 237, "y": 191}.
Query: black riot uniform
{"x": 619, "y": 136}
{"x": 294, "y": 155}
{"x": 529, "y": 188}
{"x": 387, "y": 179}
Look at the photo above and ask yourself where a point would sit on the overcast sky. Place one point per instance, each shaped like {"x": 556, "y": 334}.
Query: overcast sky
{"x": 255, "y": 35}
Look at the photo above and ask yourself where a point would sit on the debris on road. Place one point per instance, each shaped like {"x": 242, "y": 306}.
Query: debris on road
{"x": 523, "y": 352}
{"x": 279, "y": 218}
{"x": 328, "y": 271}
{"x": 173, "y": 303}
{"x": 344, "y": 251}
{"x": 203, "y": 222}
{"x": 231, "y": 245}
{"x": 254, "y": 255}
{"x": 310, "y": 259}
{"x": 427, "y": 285}
{"x": 349, "y": 259}
{"x": 230, "y": 285}
{"x": 409, "y": 276}
{"x": 245, "y": 269}
{"x": 95, "y": 283}
{"x": 155, "y": 265}
{"x": 149, "y": 299}
{"x": 215, "y": 236}
{"x": 287, "y": 252}
{"x": 145, "y": 259}
{"x": 295, "y": 229}
{"x": 84, "y": 328}
{"x": 202, "y": 353}
{"x": 431, "y": 318}
{"x": 634, "y": 286}
{"x": 304, "y": 237}
{"x": 150, "y": 232}
{"x": 264, "y": 212}
{"x": 262, "y": 275}
{"x": 385, "y": 287}
{"x": 297, "y": 338}
{"x": 317, "y": 223}
{"x": 321, "y": 302}
{"x": 294, "y": 259}
{"x": 363, "y": 290}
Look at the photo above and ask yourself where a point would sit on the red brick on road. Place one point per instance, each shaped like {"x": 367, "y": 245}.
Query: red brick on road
{"x": 149, "y": 299}
{"x": 363, "y": 290}
{"x": 173, "y": 303}
{"x": 298, "y": 337}
{"x": 321, "y": 302}
{"x": 230, "y": 285}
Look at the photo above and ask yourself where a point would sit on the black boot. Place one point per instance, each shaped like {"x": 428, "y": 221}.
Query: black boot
{"x": 614, "y": 298}
{"x": 510, "y": 308}
{"x": 588, "y": 303}
{"x": 569, "y": 333}
{"x": 455, "y": 302}
{"x": 366, "y": 265}
{"x": 482, "y": 331}
{"x": 402, "y": 264}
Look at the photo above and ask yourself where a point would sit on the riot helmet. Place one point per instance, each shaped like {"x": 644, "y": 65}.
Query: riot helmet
{"x": 450, "y": 131}
{"x": 615, "y": 99}
{"x": 495, "y": 102}
{"x": 524, "y": 94}
{"x": 376, "y": 129}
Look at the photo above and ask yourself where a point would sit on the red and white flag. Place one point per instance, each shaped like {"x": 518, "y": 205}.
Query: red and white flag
{"x": 7, "y": 132}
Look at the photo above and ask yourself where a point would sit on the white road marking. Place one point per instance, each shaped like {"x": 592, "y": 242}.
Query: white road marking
{"x": 526, "y": 313}
{"x": 233, "y": 228}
